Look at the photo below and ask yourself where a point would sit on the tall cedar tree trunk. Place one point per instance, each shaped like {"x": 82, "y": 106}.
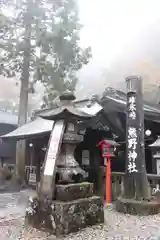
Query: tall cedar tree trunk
{"x": 23, "y": 104}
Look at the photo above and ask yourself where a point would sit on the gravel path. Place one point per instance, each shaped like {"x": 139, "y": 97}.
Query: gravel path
{"x": 117, "y": 226}
{"x": 12, "y": 210}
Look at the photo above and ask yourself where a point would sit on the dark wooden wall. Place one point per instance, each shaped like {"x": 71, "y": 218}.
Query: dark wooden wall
{"x": 7, "y": 148}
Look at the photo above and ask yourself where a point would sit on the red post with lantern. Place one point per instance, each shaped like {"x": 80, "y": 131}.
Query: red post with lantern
{"x": 108, "y": 148}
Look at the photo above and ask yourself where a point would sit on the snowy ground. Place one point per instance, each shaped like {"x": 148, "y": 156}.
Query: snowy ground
{"x": 117, "y": 226}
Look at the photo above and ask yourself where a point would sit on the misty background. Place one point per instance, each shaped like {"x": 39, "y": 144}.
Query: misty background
{"x": 124, "y": 36}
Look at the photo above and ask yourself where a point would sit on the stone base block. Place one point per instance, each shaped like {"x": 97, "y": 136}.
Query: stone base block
{"x": 62, "y": 218}
{"x": 143, "y": 208}
{"x": 75, "y": 191}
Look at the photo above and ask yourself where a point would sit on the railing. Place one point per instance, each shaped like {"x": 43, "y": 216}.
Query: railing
{"x": 30, "y": 175}
{"x": 11, "y": 167}
{"x": 28, "y": 169}
{"x": 153, "y": 179}
{"x": 117, "y": 180}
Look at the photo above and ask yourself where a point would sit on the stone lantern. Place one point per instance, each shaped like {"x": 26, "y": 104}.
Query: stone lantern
{"x": 65, "y": 201}
{"x": 68, "y": 169}
{"x": 155, "y": 147}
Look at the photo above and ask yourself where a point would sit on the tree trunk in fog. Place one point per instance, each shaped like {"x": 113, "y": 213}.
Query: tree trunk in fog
{"x": 23, "y": 103}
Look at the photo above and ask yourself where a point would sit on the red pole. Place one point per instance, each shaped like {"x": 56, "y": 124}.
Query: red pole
{"x": 108, "y": 181}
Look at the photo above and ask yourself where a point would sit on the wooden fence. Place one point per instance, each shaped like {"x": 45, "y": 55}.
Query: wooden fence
{"x": 117, "y": 180}
{"x": 30, "y": 172}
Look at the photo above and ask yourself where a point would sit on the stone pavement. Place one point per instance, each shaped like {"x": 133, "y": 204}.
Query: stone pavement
{"x": 117, "y": 226}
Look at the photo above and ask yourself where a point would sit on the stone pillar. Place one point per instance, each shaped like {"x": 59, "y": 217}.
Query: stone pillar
{"x": 136, "y": 199}
{"x": 136, "y": 184}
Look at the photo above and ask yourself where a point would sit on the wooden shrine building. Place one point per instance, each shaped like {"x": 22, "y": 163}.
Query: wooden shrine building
{"x": 109, "y": 123}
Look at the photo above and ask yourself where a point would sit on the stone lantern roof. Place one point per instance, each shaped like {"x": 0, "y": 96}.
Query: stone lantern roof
{"x": 110, "y": 142}
{"x": 66, "y": 109}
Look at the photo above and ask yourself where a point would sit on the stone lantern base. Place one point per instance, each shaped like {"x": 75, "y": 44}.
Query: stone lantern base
{"x": 134, "y": 207}
{"x": 75, "y": 208}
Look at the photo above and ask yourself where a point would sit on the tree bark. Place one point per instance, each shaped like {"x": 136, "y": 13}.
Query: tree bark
{"x": 23, "y": 103}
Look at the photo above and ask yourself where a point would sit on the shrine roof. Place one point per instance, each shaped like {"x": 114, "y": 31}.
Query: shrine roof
{"x": 116, "y": 101}
{"x": 31, "y": 129}
{"x": 40, "y": 126}
{"x": 108, "y": 112}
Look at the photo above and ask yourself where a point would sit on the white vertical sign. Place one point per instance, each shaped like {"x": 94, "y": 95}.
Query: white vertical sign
{"x": 32, "y": 178}
{"x": 158, "y": 166}
{"x": 85, "y": 157}
{"x": 132, "y": 136}
{"x": 53, "y": 148}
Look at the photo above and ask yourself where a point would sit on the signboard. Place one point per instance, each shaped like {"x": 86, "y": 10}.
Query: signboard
{"x": 32, "y": 178}
{"x": 85, "y": 157}
{"x": 53, "y": 149}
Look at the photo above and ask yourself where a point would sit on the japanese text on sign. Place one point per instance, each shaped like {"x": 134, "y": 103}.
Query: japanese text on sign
{"x": 132, "y": 136}
{"x": 132, "y": 154}
{"x": 132, "y": 108}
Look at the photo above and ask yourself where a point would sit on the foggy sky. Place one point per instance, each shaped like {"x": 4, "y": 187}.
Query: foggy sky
{"x": 125, "y": 38}
{"x": 123, "y": 35}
